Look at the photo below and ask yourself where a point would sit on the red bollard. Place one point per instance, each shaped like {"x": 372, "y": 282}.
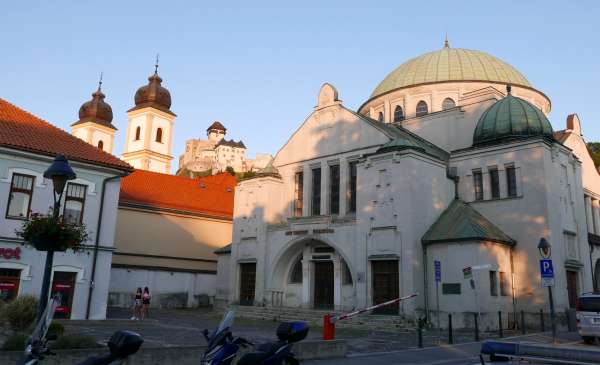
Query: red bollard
{"x": 328, "y": 327}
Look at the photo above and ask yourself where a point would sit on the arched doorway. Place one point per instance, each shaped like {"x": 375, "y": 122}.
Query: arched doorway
{"x": 597, "y": 276}
{"x": 311, "y": 273}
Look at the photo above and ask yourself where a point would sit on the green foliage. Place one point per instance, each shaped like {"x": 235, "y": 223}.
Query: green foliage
{"x": 46, "y": 232}
{"x": 74, "y": 342}
{"x": 15, "y": 342}
{"x": 244, "y": 175}
{"x": 193, "y": 174}
{"x": 594, "y": 148}
{"x": 230, "y": 170}
{"x": 56, "y": 328}
{"x": 20, "y": 313}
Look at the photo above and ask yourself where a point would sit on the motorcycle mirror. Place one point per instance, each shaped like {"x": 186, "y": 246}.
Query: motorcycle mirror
{"x": 124, "y": 343}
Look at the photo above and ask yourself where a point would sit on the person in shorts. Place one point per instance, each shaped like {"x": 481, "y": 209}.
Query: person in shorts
{"x": 146, "y": 302}
{"x": 137, "y": 305}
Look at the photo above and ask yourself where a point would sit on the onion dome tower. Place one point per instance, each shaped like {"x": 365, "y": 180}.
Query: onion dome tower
{"x": 148, "y": 144}
{"x": 95, "y": 122}
{"x": 511, "y": 118}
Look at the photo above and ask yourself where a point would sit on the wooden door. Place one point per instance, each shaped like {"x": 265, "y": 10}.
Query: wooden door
{"x": 385, "y": 285}
{"x": 9, "y": 284}
{"x": 247, "y": 283}
{"x": 572, "y": 290}
{"x": 63, "y": 285}
{"x": 323, "y": 295}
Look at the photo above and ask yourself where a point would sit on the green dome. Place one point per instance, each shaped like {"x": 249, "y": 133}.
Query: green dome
{"x": 450, "y": 64}
{"x": 511, "y": 117}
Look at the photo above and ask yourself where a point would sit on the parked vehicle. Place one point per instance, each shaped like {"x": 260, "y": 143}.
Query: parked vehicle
{"x": 224, "y": 349}
{"x": 588, "y": 316}
{"x": 121, "y": 344}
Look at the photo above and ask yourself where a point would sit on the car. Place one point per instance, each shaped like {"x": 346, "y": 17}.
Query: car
{"x": 588, "y": 316}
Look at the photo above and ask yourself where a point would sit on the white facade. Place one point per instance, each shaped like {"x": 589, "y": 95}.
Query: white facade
{"x": 100, "y": 183}
{"x": 347, "y": 245}
{"x": 96, "y": 135}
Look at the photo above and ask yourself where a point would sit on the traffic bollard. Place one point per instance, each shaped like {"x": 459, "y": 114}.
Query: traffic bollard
{"x": 450, "y": 336}
{"x": 523, "y": 322}
{"x": 328, "y": 327}
{"x": 500, "y": 329}
{"x": 420, "y": 332}
{"x": 542, "y": 325}
{"x": 475, "y": 316}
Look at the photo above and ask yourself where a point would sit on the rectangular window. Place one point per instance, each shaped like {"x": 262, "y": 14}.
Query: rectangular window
{"x": 494, "y": 183}
{"x": 451, "y": 288}
{"x": 352, "y": 187}
{"x": 298, "y": 193}
{"x": 511, "y": 181}
{"x": 19, "y": 199}
{"x": 316, "y": 192}
{"x": 504, "y": 284}
{"x": 478, "y": 184}
{"x": 74, "y": 203}
{"x": 493, "y": 284}
{"x": 334, "y": 189}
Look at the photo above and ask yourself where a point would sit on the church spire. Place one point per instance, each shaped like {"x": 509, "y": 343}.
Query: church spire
{"x": 446, "y": 43}
{"x": 100, "y": 83}
{"x": 156, "y": 65}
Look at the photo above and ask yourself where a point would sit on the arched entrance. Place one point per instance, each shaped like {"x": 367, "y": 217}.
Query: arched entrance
{"x": 312, "y": 273}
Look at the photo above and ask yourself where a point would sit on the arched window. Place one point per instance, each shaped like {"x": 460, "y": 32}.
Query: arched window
{"x": 380, "y": 117}
{"x": 101, "y": 145}
{"x": 137, "y": 133}
{"x": 296, "y": 273}
{"x": 159, "y": 135}
{"x": 398, "y": 114}
{"x": 422, "y": 108}
{"x": 448, "y": 103}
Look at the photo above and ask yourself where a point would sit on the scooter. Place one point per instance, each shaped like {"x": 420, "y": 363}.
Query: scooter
{"x": 121, "y": 344}
{"x": 223, "y": 347}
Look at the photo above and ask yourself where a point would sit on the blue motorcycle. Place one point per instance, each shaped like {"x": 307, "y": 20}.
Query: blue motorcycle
{"x": 223, "y": 347}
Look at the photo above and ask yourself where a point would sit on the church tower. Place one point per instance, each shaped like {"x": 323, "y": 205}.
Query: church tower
{"x": 95, "y": 122}
{"x": 149, "y": 134}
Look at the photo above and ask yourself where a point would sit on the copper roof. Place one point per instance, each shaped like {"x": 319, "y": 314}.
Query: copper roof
{"x": 23, "y": 131}
{"x": 217, "y": 126}
{"x": 96, "y": 111}
{"x": 211, "y": 195}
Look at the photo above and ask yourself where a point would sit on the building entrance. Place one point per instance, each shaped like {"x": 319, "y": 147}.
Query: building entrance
{"x": 247, "y": 283}
{"x": 323, "y": 292}
{"x": 385, "y": 285}
{"x": 9, "y": 284}
{"x": 63, "y": 284}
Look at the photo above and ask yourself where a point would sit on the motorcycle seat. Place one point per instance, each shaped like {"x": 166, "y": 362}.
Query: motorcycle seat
{"x": 263, "y": 352}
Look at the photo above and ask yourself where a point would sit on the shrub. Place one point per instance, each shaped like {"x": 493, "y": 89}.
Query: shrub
{"x": 21, "y": 312}
{"x": 56, "y": 328}
{"x": 15, "y": 342}
{"x": 74, "y": 342}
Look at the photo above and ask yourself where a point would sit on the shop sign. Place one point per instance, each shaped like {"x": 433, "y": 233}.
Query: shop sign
{"x": 8, "y": 253}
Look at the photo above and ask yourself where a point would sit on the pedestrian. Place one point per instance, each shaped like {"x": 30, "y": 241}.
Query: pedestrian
{"x": 137, "y": 305}
{"x": 146, "y": 303}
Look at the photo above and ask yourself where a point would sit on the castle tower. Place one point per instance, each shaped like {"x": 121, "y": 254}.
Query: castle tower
{"x": 216, "y": 132}
{"x": 95, "y": 122}
{"x": 149, "y": 140}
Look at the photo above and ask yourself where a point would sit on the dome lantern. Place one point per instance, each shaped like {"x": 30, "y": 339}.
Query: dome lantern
{"x": 511, "y": 118}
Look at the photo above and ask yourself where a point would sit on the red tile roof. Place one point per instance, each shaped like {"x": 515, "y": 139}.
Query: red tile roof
{"x": 24, "y": 131}
{"x": 212, "y": 195}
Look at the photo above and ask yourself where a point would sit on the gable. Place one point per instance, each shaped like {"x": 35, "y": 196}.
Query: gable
{"x": 589, "y": 173}
{"x": 330, "y": 131}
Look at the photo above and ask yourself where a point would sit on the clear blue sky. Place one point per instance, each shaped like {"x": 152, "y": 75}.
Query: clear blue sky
{"x": 257, "y": 66}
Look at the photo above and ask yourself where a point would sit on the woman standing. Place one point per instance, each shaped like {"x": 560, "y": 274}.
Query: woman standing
{"x": 146, "y": 302}
{"x": 137, "y": 305}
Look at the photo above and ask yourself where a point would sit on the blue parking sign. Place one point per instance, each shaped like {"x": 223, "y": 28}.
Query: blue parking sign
{"x": 438, "y": 270}
{"x": 546, "y": 269}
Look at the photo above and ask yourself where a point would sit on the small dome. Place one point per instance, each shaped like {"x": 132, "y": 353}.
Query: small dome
{"x": 511, "y": 117}
{"x": 450, "y": 64}
{"x": 96, "y": 110}
{"x": 153, "y": 94}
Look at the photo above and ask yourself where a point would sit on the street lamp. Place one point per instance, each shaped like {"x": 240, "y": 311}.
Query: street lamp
{"x": 59, "y": 172}
{"x": 545, "y": 251}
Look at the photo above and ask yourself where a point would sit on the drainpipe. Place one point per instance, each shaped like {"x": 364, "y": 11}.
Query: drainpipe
{"x": 512, "y": 281}
{"x": 425, "y": 283}
{"x": 97, "y": 244}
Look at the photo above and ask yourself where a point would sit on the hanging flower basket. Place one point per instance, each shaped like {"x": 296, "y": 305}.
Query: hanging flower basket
{"x": 49, "y": 233}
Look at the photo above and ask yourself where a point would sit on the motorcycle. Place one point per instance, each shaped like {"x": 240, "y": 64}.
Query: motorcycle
{"x": 223, "y": 348}
{"x": 121, "y": 344}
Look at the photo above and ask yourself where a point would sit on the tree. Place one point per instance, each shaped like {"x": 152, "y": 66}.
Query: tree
{"x": 230, "y": 170}
{"x": 594, "y": 148}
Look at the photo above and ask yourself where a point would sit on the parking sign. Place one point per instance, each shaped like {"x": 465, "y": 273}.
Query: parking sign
{"x": 547, "y": 272}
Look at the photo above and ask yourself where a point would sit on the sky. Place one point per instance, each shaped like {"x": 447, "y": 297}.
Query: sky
{"x": 257, "y": 66}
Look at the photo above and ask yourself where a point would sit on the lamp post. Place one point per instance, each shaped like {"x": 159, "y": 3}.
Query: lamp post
{"x": 59, "y": 172}
{"x": 545, "y": 251}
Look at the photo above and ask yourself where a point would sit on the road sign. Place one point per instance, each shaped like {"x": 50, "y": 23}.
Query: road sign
{"x": 438, "y": 270}
{"x": 547, "y": 282}
{"x": 546, "y": 269}
{"x": 468, "y": 272}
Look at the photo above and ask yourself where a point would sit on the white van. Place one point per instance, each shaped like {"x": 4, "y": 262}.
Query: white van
{"x": 588, "y": 316}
